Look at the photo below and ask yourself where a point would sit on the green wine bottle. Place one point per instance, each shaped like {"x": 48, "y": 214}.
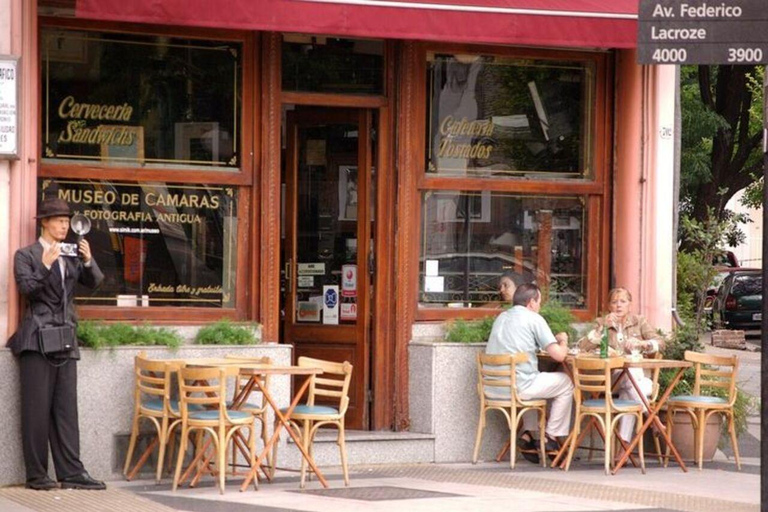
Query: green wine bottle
{"x": 604, "y": 344}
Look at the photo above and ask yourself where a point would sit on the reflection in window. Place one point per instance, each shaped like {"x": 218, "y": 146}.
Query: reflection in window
{"x": 133, "y": 100}
{"x": 748, "y": 285}
{"x": 471, "y": 238}
{"x": 494, "y": 116}
{"x": 158, "y": 244}
{"x": 332, "y": 64}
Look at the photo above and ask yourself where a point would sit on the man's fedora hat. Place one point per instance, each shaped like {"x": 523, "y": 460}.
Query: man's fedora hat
{"x": 53, "y": 207}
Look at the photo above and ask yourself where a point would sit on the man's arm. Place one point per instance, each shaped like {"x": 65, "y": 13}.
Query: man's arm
{"x": 30, "y": 280}
{"x": 90, "y": 275}
{"x": 555, "y": 346}
{"x": 558, "y": 350}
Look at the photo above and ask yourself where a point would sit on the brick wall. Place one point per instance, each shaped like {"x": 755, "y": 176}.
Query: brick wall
{"x": 729, "y": 339}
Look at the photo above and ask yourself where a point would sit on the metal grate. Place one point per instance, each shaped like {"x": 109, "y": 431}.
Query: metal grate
{"x": 379, "y": 493}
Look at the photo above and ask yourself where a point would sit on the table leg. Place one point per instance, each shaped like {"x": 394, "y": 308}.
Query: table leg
{"x": 143, "y": 459}
{"x": 284, "y": 421}
{"x": 653, "y": 418}
{"x": 198, "y": 456}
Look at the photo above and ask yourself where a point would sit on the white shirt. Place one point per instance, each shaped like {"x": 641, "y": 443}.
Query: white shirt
{"x": 519, "y": 329}
{"x": 62, "y": 263}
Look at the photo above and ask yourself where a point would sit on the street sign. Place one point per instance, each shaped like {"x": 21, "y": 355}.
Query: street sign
{"x": 702, "y": 32}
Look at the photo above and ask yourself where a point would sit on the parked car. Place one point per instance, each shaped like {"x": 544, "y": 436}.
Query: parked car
{"x": 709, "y": 300}
{"x": 739, "y": 300}
{"x": 727, "y": 261}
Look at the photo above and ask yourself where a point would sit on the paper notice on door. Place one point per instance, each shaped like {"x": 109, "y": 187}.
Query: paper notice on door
{"x": 307, "y": 311}
{"x": 331, "y": 304}
{"x": 306, "y": 281}
{"x": 431, "y": 267}
{"x": 349, "y": 280}
{"x": 316, "y": 152}
{"x": 435, "y": 284}
{"x": 311, "y": 269}
{"x": 348, "y": 311}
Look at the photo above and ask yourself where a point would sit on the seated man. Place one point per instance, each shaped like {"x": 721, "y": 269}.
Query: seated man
{"x": 522, "y": 329}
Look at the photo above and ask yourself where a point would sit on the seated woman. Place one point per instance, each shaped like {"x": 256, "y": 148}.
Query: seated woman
{"x": 508, "y": 283}
{"x": 626, "y": 331}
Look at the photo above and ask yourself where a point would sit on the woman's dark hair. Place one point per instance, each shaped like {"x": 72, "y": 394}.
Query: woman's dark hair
{"x": 512, "y": 276}
{"x": 525, "y": 293}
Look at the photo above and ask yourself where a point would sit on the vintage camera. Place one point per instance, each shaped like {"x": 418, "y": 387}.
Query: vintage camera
{"x": 68, "y": 250}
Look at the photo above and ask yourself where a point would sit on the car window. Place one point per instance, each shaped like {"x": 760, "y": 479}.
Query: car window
{"x": 747, "y": 285}
{"x": 718, "y": 279}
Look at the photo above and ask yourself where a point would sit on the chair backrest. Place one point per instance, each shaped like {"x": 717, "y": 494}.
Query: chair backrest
{"x": 592, "y": 375}
{"x": 712, "y": 379}
{"x": 496, "y": 379}
{"x": 333, "y": 383}
{"x": 204, "y": 386}
{"x": 153, "y": 380}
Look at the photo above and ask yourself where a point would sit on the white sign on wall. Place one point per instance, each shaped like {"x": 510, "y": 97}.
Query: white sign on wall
{"x": 9, "y": 102}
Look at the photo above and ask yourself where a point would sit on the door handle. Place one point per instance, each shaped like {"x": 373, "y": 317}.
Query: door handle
{"x": 287, "y": 269}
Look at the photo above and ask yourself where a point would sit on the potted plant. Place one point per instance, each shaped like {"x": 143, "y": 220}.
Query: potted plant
{"x": 99, "y": 335}
{"x": 685, "y": 338}
{"x": 225, "y": 332}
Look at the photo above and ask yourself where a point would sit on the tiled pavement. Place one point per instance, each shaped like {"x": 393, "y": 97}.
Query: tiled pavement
{"x": 489, "y": 487}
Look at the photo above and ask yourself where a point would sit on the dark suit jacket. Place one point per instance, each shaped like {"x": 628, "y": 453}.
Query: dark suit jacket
{"x": 46, "y": 296}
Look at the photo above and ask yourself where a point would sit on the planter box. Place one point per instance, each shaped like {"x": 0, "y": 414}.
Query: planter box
{"x": 105, "y": 402}
{"x": 444, "y": 401}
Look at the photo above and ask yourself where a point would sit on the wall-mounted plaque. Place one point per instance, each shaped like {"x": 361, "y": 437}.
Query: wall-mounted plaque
{"x": 9, "y": 101}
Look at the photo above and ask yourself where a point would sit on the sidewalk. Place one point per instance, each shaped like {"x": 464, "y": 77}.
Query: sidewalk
{"x": 489, "y": 487}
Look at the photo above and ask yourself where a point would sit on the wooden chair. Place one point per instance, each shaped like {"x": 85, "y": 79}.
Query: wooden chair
{"x": 592, "y": 375}
{"x": 498, "y": 392}
{"x": 333, "y": 384}
{"x": 152, "y": 402}
{"x": 207, "y": 387}
{"x": 259, "y": 410}
{"x": 700, "y": 406}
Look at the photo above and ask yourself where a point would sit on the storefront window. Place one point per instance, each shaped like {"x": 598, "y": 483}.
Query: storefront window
{"x": 470, "y": 238}
{"x": 491, "y": 116}
{"x": 332, "y": 64}
{"x": 158, "y": 244}
{"x": 132, "y": 101}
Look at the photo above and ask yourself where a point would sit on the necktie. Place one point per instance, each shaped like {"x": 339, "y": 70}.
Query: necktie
{"x": 62, "y": 269}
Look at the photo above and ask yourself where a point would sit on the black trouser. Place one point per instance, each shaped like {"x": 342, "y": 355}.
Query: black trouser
{"x": 49, "y": 413}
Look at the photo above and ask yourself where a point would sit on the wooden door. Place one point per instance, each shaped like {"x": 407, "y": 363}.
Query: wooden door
{"x": 328, "y": 239}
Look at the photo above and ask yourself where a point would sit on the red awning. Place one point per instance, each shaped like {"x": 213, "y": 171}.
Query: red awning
{"x": 564, "y": 23}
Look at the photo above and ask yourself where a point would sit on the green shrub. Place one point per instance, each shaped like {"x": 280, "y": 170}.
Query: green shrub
{"x": 101, "y": 335}
{"x": 559, "y": 318}
{"x": 469, "y": 331}
{"x": 225, "y": 332}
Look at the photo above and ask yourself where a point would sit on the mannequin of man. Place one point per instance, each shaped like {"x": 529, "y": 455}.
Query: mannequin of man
{"x": 47, "y": 280}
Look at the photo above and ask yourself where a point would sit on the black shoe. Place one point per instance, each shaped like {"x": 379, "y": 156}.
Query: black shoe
{"x": 528, "y": 447}
{"x": 44, "y": 484}
{"x": 552, "y": 447}
{"x": 83, "y": 481}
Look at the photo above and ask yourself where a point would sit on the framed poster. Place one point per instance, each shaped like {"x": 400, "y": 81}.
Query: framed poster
{"x": 347, "y": 192}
